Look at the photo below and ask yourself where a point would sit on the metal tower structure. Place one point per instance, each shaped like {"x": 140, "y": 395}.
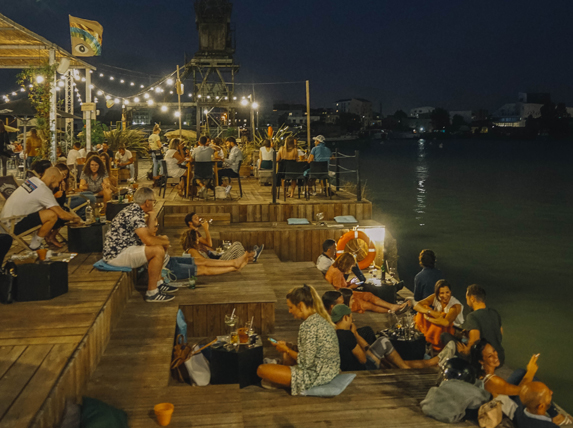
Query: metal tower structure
{"x": 213, "y": 68}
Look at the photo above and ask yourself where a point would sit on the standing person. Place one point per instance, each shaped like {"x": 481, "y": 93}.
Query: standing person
{"x": 35, "y": 200}
{"x": 4, "y": 143}
{"x": 203, "y": 153}
{"x": 33, "y": 146}
{"x": 95, "y": 179}
{"x": 266, "y": 156}
{"x": 124, "y": 159}
{"x": 481, "y": 323}
{"x": 174, "y": 157}
{"x": 426, "y": 279}
{"x": 316, "y": 361}
{"x": 231, "y": 165}
{"x": 155, "y": 147}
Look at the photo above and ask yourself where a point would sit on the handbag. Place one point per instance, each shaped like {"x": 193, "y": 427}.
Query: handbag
{"x": 181, "y": 352}
{"x": 198, "y": 368}
{"x": 8, "y": 277}
{"x": 490, "y": 414}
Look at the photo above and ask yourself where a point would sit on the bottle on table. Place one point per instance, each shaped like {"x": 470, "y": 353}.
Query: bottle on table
{"x": 89, "y": 214}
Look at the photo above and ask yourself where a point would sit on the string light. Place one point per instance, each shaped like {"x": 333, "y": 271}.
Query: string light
{"x": 177, "y": 113}
{"x": 150, "y": 102}
{"x": 163, "y": 108}
{"x": 39, "y": 78}
{"x": 136, "y": 99}
{"x": 170, "y": 81}
{"x": 122, "y": 81}
{"x": 111, "y": 78}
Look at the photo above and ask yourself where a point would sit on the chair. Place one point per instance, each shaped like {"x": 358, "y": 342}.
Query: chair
{"x": 238, "y": 177}
{"x": 319, "y": 171}
{"x": 8, "y": 185}
{"x": 204, "y": 171}
{"x": 294, "y": 171}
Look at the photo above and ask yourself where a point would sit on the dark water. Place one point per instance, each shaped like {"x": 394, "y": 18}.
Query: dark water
{"x": 497, "y": 214}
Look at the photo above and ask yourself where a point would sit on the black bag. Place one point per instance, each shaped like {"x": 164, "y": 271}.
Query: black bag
{"x": 8, "y": 277}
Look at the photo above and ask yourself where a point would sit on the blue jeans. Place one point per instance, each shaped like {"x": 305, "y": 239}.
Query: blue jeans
{"x": 182, "y": 267}
{"x": 156, "y": 164}
{"x": 515, "y": 379}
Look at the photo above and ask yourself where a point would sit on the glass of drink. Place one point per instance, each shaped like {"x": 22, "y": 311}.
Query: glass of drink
{"x": 230, "y": 321}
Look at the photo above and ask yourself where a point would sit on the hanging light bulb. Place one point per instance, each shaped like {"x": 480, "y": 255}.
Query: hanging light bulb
{"x": 39, "y": 78}
{"x": 141, "y": 86}
{"x": 22, "y": 90}
{"x": 101, "y": 75}
{"x": 149, "y": 102}
{"x": 107, "y": 97}
{"x": 158, "y": 89}
{"x": 206, "y": 111}
{"x": 111, "y": 78}
{"x": 91, "y": 86}
{"x": 199, "y": 96}
{"x": 170, "y": 81}
{"x": 132, "y": 84}
{"x": 126, "y": 102}
{"x": 122, "y": 81}
{"x": 99, "y": 92}
{"x": 83, "y": 79}
{"x": 177, "y": 113}
{"x": 14, "y": 93}
{"x": 116, "y": 101}
{"x": 244, "y": 102}
{"x": 163, "y": 108}
{"x": 146, "y": 95}
{"x": 255, "y": 105}
{"x": 136, "y": 99}
{"x": 171, "y": 92}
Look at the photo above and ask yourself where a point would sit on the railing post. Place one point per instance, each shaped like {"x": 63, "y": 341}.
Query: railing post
{"x": 358, "y": 184}
{"x": 337, "y": 165}
{"x": 274, "y": 177}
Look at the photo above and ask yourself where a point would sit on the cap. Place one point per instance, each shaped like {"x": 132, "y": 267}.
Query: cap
{"x": 320, "y": 138}
{"x": 338, "y": 312}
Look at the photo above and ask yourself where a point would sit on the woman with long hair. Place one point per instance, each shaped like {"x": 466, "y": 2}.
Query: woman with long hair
{"x": 4, "y": 143}
{"x": 266, "y": 155}
{"x": 190, "y": 243}
{"x": 287, "y": 154}
{"x": 174, "y": 157}
{"x": 107, "y": 163}
{"x": 485, "y": 360}
{"x": 438, "y": 313}
{"x": 316, "y": 359}
{"x": 363, "y": 300}
{"x": 95, "y": 179}
{"x": 155, "y": 147}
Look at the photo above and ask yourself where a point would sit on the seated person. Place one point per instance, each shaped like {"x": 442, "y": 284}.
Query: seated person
{"x": 319, "y": 153}
{"x": 106, "y": 160}
{"x": 317, "y": 360}
{"x": 174, "y": 157}
{"x": 534, "y": 412}
{"x": 485, "y": 360}
{"x": 426, "y": 279}
{"x": 95, "y": 179}
{"x": 438, "y": 313}
{"x": 124, "y": 159}
{"x": 266, "y": 155}
{"x": 355, "y": 352}
{"x": 193, "y": 221}
{"x": 202, "y": 153}
{"x": 364, "y": 301}
{"x": 288, "y": 152}
{"x": 231, "y": 165}
{"x": 35, "y": 200}
{"x": 326, "y": 259}
{"x": 60, "y": 157}
{"x": 332, "y": 298}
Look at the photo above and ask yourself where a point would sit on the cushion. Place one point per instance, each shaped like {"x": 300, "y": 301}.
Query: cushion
{"x": 345, "y": 219}
{"x": 97, "y": 414}
{"x": 332, "y": 388}
{"x": 298, "y": 221}
{"x": 101, "y": 265}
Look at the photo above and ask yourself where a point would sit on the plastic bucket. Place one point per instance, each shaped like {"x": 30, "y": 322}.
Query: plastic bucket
{"x": 163, "y": 412}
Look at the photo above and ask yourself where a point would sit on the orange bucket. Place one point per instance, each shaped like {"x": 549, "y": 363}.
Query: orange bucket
{"x": 163, "y": 412}
{"x": 42, "y": 253}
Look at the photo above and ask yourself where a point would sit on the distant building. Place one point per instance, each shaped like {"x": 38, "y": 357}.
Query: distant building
{"x": 467, "y": 115}
{"x": 418, "y": 111}
{"x": 533, "y": 98}
{"x": 359, "y": 106}
{"x": 141, "y": 117}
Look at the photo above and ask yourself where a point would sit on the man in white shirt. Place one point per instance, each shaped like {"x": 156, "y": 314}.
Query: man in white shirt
{"x": 35, "y": 200}
{"x": 124, "y": 159}
{"x": 76, "y": 156}
{"x": 326, "y": 259}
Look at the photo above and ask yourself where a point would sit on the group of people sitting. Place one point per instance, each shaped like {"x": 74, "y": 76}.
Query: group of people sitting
{"x": 329, "y": 341}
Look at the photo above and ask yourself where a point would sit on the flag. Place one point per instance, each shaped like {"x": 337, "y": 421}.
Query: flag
{"x": 86, "y": 37}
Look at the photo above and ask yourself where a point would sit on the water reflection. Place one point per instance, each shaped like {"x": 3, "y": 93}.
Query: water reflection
{"x": 421, "y": 177}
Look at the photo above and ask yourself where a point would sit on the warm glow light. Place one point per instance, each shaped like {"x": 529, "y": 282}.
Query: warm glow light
{"x": 376, "y": 234}
{"x": 122, "y": 81}
{"x": 199, "y": 96}
{"x": 177, "y": 113}
{"x": 132, "y": 84}
{"x": 111, "y": 78}
{"x": 39, "y": 78}
{"x": 101, "y": 75}
{"x": 107, "y": 97}
{"x": 83, "y": 79}
{"x": 61, "y": 84}
{"x": 170, "y": 81}
{"x": 171, "y": 92}
{"x": 158, "y": 89}
{"x": 149, "y": 102}
{"x": 164, "y": 108}
{"x": 136, "y": 99}
{"x": 99, "y": 92}
{"x": 206, "y": 111}
{"x": 255, "y": 105}
{"x": 141, "y": 86}
{"x": 116, "y": 101}
{"x": 146, "y": 95}
{"x": 126, "y": 102}
{"x": 22, "y": 90}
{"x": 234, "y": 98}
{"x": 91, "y": 86}
{"x": 244, "y": 102}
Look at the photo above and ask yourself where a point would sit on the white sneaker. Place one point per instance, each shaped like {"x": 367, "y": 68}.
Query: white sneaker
{"x": 228, "y": 190}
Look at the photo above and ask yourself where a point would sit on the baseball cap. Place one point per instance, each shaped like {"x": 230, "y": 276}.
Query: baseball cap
{"x": 320, "y": 138}
{"x": 338, "y": 312}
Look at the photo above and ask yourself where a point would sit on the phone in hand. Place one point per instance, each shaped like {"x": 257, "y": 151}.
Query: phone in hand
{"x": 272, "y": 340}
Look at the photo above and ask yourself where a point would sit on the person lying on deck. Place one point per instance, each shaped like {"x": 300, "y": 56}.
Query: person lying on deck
{"x": 485, "y": 360}
{"x": 355, "y": 352}
{"x": 194, "y": 222}
{"x": 363, "y": 301}
{"x": 316, "y": 360}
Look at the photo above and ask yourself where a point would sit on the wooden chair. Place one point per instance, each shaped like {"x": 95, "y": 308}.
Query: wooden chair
{"x": 319, "y": 171}
{"x": 204, "y": 171}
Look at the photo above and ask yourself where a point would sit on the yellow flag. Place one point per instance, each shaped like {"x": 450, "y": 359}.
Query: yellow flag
{"x": 86, "y": 37}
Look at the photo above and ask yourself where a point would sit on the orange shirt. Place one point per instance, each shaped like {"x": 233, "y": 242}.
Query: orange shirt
{"x": 336, "y": 277}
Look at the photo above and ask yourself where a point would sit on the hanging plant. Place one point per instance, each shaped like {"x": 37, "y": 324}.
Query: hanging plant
{"x": 39, "y": 80}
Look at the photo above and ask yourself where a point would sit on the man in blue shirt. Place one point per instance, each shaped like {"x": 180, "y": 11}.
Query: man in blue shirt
{"x": 319, "y": 153}
{"x": 425, "y": 281}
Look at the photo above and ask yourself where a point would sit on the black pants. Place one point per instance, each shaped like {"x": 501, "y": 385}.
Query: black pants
{"x": 226, "y": 172}
{"x": 5, "y": 244}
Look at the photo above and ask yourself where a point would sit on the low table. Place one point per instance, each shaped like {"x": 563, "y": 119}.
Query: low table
{"x": 113, "y": 209}
{"x": 87, "y": 238}
{"x": 238, "y": 365}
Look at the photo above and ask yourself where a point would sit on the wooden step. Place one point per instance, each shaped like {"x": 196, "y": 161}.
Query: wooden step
{"x": 171, "y": 220}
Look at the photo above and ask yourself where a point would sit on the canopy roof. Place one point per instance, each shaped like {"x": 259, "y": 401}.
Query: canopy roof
{"x": 21, "y": 48}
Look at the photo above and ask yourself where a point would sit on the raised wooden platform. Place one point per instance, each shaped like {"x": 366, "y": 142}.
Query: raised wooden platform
{"x": 49, "y": 349}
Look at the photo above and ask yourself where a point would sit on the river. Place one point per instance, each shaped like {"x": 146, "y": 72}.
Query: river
{"x": 498, "y": 214}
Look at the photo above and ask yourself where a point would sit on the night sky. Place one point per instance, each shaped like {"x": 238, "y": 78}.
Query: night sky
{"x": 455, "y": 54}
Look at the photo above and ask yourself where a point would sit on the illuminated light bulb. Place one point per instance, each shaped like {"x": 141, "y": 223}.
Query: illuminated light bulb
{"x": 132, "y": 84}
{"x": 226, "y": 98}
{"x": 99, "y": 92}
{"x": 24, "y": 90}
{"x": 39, "y": 78}
{"x": 152, "y": 88}
{"x": 126, "y": 102}
{"x": 116, "y": 101}
{"x": 217, "y": 97}
{"x": 171, "y": 92}
{"x": 91, "y": 71}
{"x": 107, "y": 97}
{"x": 101, "y": 75}
{"x": 122, "y": 81}
{"x": 163, "y": 108}
{"x": 158, "y": 89}
{"x": 189, "y": 95}
{"x": 206, "y": 111}
{"x": 14, "y": 93}
{"x": 83, "y": 79}
{"x": 243, "y": 97}
{"x": 146, "y": 96}
{"x": 234, "y": 98}
{"x": 30, "y": 86}
{"x": 170, "y": 81}
{"x": 123, "y": 106}
{"x": 136, "y": 99}
{"x": 208, "y": 97}
{"x": 162, "y": 91}
{"x": 255, "y": 105}
{"x": 141, "y": 86}
{"x": 244, "y": 102}
{"x": 199, "y": 96}
{"x": 58, "y": 88}
{"x": 91, "y": 86}
{"x": 177, "y": 113}
{"x": 149, "y": 102}
{"x": 111, "y": 78}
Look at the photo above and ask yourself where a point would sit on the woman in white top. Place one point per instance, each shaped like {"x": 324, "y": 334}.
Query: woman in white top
{"x": 155, "y": 149}
{"x": 266, "y": 157}
{"x": 438, "y": 313}
{"x": 174, "y": 157}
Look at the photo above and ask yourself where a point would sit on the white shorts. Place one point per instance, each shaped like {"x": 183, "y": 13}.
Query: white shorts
{"x": 132, "y": 257}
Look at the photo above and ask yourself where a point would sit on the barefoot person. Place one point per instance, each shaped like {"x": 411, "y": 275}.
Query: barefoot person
{"x": 316, "y": 360}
